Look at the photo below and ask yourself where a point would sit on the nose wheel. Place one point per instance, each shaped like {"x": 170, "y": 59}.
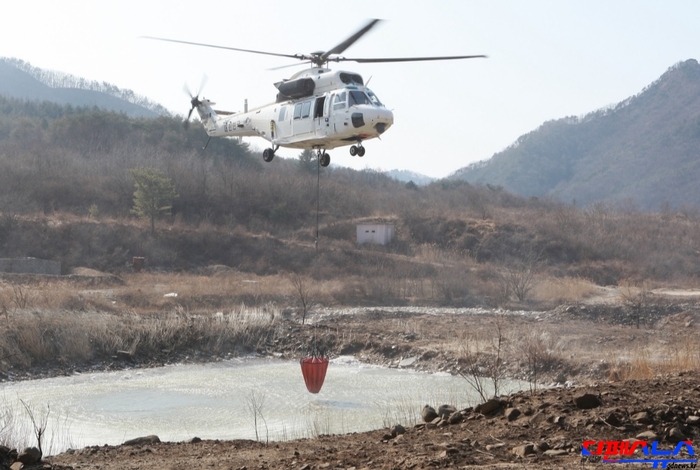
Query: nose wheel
{"x": 358, "y": 150}
{"x": 324, "y": 159}
{"x": 269, "y": 154}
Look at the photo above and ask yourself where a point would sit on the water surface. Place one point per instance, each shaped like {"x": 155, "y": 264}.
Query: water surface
{"x": 216, "y": 401}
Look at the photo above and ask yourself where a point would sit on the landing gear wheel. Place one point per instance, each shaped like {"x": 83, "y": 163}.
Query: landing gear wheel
{"x": 325, "y": 159}
{"x": 353, "y": 150}
{"x": 268, "y": 155}
{"x": 361, "y": 151}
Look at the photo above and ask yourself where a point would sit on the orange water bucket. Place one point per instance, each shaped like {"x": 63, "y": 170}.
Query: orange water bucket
{"x": 314, "y": 371}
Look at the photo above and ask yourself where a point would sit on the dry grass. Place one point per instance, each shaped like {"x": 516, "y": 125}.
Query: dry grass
{"x": 226, "y": 289}
{"x": 223, "y": 289}
{"x": 434, "y": 253}
{"x": 63, "y": 321}
{"x": 48, "y": 336}
{"x": 563, "y": 290}
{"x": 646, "y": 362}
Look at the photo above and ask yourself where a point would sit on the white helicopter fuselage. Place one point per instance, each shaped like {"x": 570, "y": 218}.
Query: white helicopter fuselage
{"x": 316, "y": 109}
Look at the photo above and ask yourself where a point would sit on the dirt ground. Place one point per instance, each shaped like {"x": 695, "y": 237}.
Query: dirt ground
{"x": 594, "y": 346}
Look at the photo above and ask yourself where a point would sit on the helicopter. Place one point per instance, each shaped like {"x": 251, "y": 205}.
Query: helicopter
{"x": 315, "y": 109}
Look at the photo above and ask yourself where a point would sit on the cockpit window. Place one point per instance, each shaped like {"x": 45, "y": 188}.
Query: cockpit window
{"x": 373, "y": 98}
{"x": 358, "y": 97}
{"x": 339, "y": 101}
{"x": 351, "y": 78}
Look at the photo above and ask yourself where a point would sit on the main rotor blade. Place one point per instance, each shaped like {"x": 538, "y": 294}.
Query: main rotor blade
{"x": 290, "y": 65}
{"x": 295, "y": 56}
{"x": 351, "y": 40}
{"x": 406, "y": 59}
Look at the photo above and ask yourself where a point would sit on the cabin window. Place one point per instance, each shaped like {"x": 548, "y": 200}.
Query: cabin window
{"x": 297, "y": 111}
{"x": 339, "y": 101}
{"x": 282, "y": 113}
{"x": 357, "y": 97}
{"x": 306, "y": 109}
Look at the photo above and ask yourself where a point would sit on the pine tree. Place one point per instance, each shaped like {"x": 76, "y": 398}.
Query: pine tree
{"x": 307, "y": 161}
{"x": 154, "y": 194}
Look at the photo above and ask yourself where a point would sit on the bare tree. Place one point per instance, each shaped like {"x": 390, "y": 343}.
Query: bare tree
{"x": 255, "y": 404}
{"x": 303, "y": 293}
{"x": 39, "y": 423}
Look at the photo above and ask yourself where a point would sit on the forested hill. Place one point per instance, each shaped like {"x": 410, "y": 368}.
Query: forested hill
{"x": 645, "y": 149}
{"x": 67, "y": 192}
{"x": 19, "y": 79}
{"x": 62, "y": 158}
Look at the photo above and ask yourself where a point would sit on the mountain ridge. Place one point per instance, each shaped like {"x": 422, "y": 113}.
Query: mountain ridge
{"x": 21, "y": 80}
{"x": 408, "y": 175}
{"x": 642, "y": 149}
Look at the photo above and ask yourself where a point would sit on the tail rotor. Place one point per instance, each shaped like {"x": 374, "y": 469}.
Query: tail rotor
{"x": 194, "y": 100}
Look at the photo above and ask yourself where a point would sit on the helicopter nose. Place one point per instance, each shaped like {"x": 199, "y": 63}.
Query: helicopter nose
{"x": 384, "y": 120}
{"x": 372, "y": 118}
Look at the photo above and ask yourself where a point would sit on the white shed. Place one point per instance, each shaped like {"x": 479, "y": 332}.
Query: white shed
{"x": 380, "y": 234}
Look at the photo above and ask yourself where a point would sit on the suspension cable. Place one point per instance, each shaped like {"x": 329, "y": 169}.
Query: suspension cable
{"x": 318, "y": 192}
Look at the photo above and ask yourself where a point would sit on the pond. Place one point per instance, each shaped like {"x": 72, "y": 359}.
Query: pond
{"x": 218, "y": 401}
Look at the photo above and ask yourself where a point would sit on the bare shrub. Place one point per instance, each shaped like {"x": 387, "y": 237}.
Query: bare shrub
{"x": 453, "y": 285}
{"x": 541, "y": 351}
{"x": 482, "y": 359}
{"x": 21, "y": 296}
{"x": 517, "y": 277}
{"x": 637, "y": 295}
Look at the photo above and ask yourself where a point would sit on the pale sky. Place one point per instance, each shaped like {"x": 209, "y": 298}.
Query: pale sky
{"x": 547, "y": 59}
